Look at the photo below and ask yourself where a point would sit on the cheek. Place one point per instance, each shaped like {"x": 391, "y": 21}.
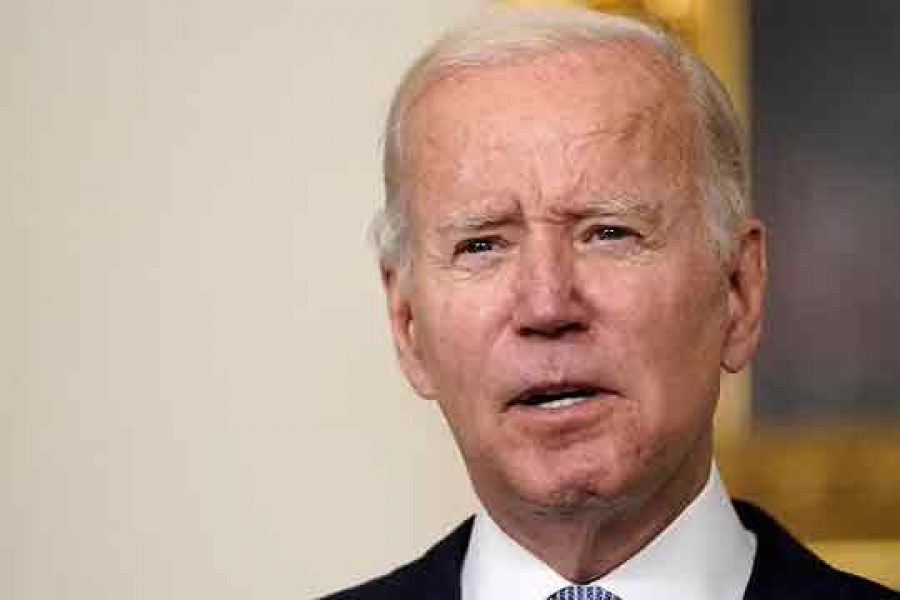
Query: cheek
{"x": 675, "y": 332}
{"x": 456, "y": 336}
{"x": 457, "y": 339}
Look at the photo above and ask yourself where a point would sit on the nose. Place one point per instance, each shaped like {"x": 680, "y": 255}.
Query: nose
{"x": 549, "y": 302}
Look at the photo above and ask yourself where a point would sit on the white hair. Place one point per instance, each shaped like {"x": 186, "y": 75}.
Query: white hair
{"x": 502, "y": 36}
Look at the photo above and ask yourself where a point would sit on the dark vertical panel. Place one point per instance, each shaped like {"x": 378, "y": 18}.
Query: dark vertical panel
{"x": 826, "y": 106}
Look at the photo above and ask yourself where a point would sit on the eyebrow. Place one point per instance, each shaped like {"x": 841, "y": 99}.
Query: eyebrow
{"x": 473, "y": 221}
{"x": 621, "y": 205}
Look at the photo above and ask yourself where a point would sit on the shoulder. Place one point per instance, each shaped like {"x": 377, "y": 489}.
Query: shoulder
{"x": 784, "y": 568}
{"x": 433, "y": 576}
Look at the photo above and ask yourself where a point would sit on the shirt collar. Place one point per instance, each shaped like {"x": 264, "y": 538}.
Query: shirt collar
{"x": 704, "y": 554}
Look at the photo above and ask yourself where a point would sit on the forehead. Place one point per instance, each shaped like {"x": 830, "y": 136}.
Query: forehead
{"x": 551, "y": 121}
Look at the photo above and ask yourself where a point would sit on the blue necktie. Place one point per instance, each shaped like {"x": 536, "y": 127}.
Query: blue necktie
{"x": 583, "y": 592}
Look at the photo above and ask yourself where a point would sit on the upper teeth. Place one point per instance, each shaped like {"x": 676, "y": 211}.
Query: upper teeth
{"x": 563, "y": 402}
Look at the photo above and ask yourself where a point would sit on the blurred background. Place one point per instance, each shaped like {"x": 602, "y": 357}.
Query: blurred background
{"x": 199, "y": 396}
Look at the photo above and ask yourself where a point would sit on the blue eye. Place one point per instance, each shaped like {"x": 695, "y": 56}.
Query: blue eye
{"x": 610, "y": 233}
{"x": 476, "y": 246}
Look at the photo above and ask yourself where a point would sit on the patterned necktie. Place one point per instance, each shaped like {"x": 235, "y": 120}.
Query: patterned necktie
{"x": 583, "y": 592}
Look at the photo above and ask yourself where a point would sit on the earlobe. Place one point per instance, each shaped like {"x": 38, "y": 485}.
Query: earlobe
{"x": 404, "y": 332}
{"x": 747, "y": 284}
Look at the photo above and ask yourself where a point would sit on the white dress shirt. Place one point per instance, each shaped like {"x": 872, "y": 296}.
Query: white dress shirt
{"x": 704, "y": 554}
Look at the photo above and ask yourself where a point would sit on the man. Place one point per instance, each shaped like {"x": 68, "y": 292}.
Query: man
{"x": 569, "y": 263}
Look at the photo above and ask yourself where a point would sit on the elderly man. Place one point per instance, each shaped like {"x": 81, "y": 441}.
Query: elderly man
{"x": 569, "y": 264}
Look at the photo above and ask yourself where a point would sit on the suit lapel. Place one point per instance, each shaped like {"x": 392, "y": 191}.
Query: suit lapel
{"x": 783, "y": 568}
{"x": 440, "y": 568}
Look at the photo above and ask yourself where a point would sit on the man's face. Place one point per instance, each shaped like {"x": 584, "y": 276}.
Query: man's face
{"x": 564, "y": 304}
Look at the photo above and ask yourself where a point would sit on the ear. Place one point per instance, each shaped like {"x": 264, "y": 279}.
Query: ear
{"x": 746, "y": 288}
{"x": 404, "y": 332}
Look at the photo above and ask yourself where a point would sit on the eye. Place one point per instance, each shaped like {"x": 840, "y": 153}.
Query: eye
{"x": 609, "y": 233}
{"x": 477, "y": 245}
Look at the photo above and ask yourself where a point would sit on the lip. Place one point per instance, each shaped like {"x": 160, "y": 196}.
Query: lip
{"x": 534, "y": 396}
{"x": 561, "y": 423}
{"x": 531, "y": 406}
{"x": 562, "y": 419}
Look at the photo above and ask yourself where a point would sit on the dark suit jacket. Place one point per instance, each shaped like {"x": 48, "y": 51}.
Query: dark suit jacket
{"x": 782, "y": 569}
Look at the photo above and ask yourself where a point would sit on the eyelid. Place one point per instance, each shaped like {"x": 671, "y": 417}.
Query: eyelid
{"x": 464, "y": 245}
{"x": 625, "y": 231}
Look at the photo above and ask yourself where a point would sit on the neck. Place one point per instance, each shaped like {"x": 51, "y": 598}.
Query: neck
{"x": 584, "y": 544}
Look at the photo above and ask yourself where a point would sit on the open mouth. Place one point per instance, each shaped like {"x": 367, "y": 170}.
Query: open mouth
{"x": 555, "y": 398}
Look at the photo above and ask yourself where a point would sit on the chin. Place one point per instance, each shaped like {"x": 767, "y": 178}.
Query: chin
{"x": 571, "y": 487}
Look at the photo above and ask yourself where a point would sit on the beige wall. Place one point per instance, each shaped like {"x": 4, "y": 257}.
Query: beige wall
{"x": 198, "y": 397}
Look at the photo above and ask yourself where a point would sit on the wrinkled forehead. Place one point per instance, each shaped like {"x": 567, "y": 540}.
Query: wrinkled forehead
{"x": 614, "y": 79}
{"x": 591, "y": 104}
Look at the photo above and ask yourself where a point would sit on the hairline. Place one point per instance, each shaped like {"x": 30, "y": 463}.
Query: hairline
{"x": 713, "y": 115}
